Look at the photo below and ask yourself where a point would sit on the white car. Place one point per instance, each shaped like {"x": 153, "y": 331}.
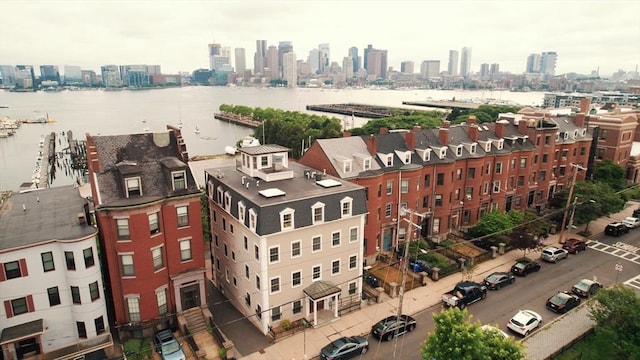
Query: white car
{"x": 524, "y": 322}
{"x": 631, "y": 222}
{"x": 495, "y": 330}
{"x": 553, "y": 254}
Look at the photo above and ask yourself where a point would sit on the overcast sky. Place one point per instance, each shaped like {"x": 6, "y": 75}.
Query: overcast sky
{"x": 586, "y": 34}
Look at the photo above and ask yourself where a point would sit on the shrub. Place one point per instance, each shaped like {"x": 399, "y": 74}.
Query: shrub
{"x": 286, "y": 324}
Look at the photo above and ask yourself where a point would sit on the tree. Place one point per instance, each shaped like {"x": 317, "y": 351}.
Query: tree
{"x": 616, "y": 311}
{"x": 595, "y": 199}
{"x": 610, "y": 173}
{"x": 496, "y": 222}
{"x": 456, "y": 337}
{"x": 524, "y": 240}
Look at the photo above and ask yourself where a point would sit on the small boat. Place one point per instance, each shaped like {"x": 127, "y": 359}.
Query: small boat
{"x": 249, "y": 141}
{"x": 230, "y": 150}
{"x": 197, "y": 131}
{"x": 146, "y": 128}
{"x": 3, "y": 106}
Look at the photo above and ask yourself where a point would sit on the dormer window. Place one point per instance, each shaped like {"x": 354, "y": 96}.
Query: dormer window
{"x": 366, "y": 164}
{"x": 557, "y": 136}
{"x": 253, "y": 219}
{"x": 443, "y": 152}
{"x": 459, "y": 151}
{"x": 584, "y": 132}
{"x": 487, "y": 146}
{"x": 346, "y": 166}
{"x": 425, "y": 154}
{"x": 472, "y": 149}
{"x": 389, "y": 161}
{"x": 345, "y": 205}
{"x": 179, "y": 180}
{"x": 227, "y": 201}
{"x": 575, "y": 133}
{"x": 219, "y": 195}
{"x": 499, "y": 143}
{"x": 286, "y": 219}
{"x": 241, "y": 211}
{"x": 133, "y": 187}
{"x": 407, "y": 157}
{"x": 566, "y": 135}
{"x": 317, "y": 210}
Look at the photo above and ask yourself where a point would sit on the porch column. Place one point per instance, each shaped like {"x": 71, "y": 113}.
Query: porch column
{"x": 336, "y": 305}
{"x": 315, "y": 313}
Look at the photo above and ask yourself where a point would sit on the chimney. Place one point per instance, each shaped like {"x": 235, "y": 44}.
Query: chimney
{"x": 522, "y": 127}
{"x": 579, "y": 119}
{"x": 446, "y": 124}
{"x": 410, "y": 137}
{"x": 372, "y": 144}
{"x": 500, "y": 128}
{"x": 473, "y": 132}
{"x": 346, "y": 133}
{"x": 384, "y": 131}
{"x": 585, "y": 104}
{"x": 443, "y": 134}
{"x": 471, "y": 120}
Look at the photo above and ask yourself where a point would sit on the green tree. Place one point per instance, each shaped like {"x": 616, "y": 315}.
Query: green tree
{"x": 594, "y": 199}
{"x": 610, "y": 173}
{"x": 204, "y": 214}
{"x": 456, "y": 337}
{"x": 616, "y": 311}
{"x": 496, "y": 222}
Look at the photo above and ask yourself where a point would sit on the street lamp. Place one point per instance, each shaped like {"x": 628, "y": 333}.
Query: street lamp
{"x": 566, "y": 208}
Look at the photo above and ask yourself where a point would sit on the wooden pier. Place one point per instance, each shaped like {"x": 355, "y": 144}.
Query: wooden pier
{"x": 444, "y": 104}
{"x": 362, "y": 110}
{"x": 238, "y": 119}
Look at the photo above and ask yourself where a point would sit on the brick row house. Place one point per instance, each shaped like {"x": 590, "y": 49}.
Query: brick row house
{"x": 147, "y": 206}
{"x": 287, "y": 240}
{"x": 51, "y": 287}
{"x": 455, "y": 174}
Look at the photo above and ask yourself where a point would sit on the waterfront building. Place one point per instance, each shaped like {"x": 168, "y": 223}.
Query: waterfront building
{"x": 283, "y": 48}
{"x": 72, "y": 75}
{"x": 560, "y": 100}
{"x": 260, "y": 57}
{"x": 240, "y": 61}
{"x": 430, "y": 69}
{"x": 50, "y": 73}
{"x": 366, "y": 56}
{"x": 452, "y": 67}
{"x": 324, "y": 52}
{"x": 548, "y": 63}
{"x": 287, "y": 240}
{"x": 135, "y": 75}
{"x": 273, "y": 62}
{"x": 7, "y": 75}
{"x": 25, "y": 76}
{"x": 533, "y": 64}
{"x": 89, "y": 77}
{"x": 377, "y": 64}
{"x": 51, "y": 284}
{"x": 465, "y": 62}
{"x": 347, "y": 67}
{"x": 484, "y": 71}
{"x": 111, "y": 76}
{"x": 454, "y": 174}
{"x": 290, "y": 69}
{"x": 147, "y": 206}
{"x": 406, "y": 67}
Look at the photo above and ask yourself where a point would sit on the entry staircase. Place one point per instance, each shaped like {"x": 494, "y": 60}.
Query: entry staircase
{"x": 196, "y": 321}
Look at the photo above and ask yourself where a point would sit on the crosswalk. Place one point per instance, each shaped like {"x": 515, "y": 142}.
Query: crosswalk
{"x": 634, "y": 281}
{"x": 622, "y": 254}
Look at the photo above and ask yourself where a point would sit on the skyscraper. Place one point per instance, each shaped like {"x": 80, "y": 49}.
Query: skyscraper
{"x": 283, "y": 48}
{"x": 49, "y": 73}
{"x": 406, "y": 67}
{"x": 377, "y": 63}
{"x": 452, "y": 69}
{"x": 214, "y": 50}
{"x": 494, "y": 69}
{"x": 533, "y": 64}
{"x": 430, "y": 69}
{"x": 548, "y": 63}
{"x": 272, "y": 61}
{"x": 484, "y": 71}
{"x": 366, "y": 56}
{"x": 347, "y": 67}
{"x": 314, "y": 60}
{"x": 353, "y": 53}
{"x": 241, "y": 61}
{"x": 325, "y": 57}
{"x": 290, "y": 69}
{"x": 259, "y": 57}
{"x": 465, "y": 62}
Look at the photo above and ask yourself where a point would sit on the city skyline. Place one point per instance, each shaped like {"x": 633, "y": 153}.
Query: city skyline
{"x": 176, "y": 35}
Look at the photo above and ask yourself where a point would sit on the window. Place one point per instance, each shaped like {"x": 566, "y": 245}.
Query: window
{"x": 485, "y": 187}
{"x": 226, "y": 250}
{"x": 498, "y": 168}
{"x": 389, "y": 160}
{"x": 126, "y": 263}
{"x": 70, "y": 260}
{"x": 161, "y": 298}
{"x": 54, "y": 296}
{"x": 275, "y": 313}
{"x": 297, "y": 306}
{"x": 296, "y": 249}
{"x": 88, "y": 257}
{"x": 296, "y": 278}
{"x": 246, "y": 271}
{"x": 565, "y": 153}
{"x": 353, "y": 288}
{"x": 547, "y": 140}
{"x": 438, "y": 200}
{"x": 286, "y": 219}
{"x": 99, "y": 323}
{"x": 427, "y": 180}
{"x": 459, "y": 151}
{"x": 158, "y": 261}
{"x": 603, "y": 134}
{"x": 245, "y": 241}
{"x": 274, "y": 254}
{"x": 520, "y": 180}
{"x": 346, "y": 166}
{"x": 247, "y": 299}
{"x": 468, "y": 192}
{"x": 94, "y": 291}
{"x": 335, "y": 239}
{"x": 253, "y": 219}
{"x": 318, "y": 213}
{"x": 185, "y": 250}
{"x": 496, "y": 187}
{"x": 316, "y": 272}
{"x": 133, "y": 305}
{"x": 345, "y": 205}
{"x": 389, "y": 187}
{"x": 353, "y": 262}
{"x": 275, "y": 285}
{"x": 256, "y": 252}
{"x": 257, "y": 282}
{"x": 523, "y": 163}
{"x": 75, "y": 295}
{"x": 123, "y": 229}
{"x": 471, "y": 173}
{"x": 488, "y": 170}
{"x": 241, "y": 211}
{"x": 259, "y": 311}
{"x": 583, "y": 150}
{"x": 133, "y": 187}
{"x": 154, "y": 226}
{"x": 353, "y": 234}
{"x": 387, "y": 210}
{"x": 459, "y": 174}
{"x": 436, "y": 225}
{"x": 179, "y": 180}
{"x": 82, "y": 330}
{"x": 335, "y": 267}
{"x": 316, "y": 244}
{"x": 47, "y": 261}
{"x": 12, "y": 269}
{"x": 404, "y": 186}
{"x": 440, "y": 179}
{"x": 183, "y": 216}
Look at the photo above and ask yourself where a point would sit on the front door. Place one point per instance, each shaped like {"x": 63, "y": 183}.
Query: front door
{"x": 190, "y": 296}
{"x": 386, "y": 240}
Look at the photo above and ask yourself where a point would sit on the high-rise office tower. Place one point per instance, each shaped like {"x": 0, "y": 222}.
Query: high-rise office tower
{"x": 49, "y": 73}
{"x": 484, "y": 71}
{"x": 353, "y": 53}
{"x": 272, "y": 61}
{"x": 406, "y": 67}
{"x": 430, "y": 69}
{"x": 259, "y": 57}
{"x": 494, "y": 69}
{"x": 366, "y": 55}
{"x": 452, "y": 69}
{"x": 533, "y": 64}
{"x": 347, "y": 67}
{"x": 283, "y": 48}
{"x": 314, "y": 61}
{"x": 240, "y": 60}
{"x": 325, "y": 58}
{"x": 215, "y": 50}
{"x": 465, "y": 62}
{"x": 290, "y": 68}
{"x": 7, "y": 75}
{"x": 72, "y": 75}
{"x": 548, "y": 63}
{"x": 377, "y": 63}
{"x": 111, "y": 76}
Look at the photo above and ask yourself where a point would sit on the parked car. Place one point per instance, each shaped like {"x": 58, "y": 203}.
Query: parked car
{"x": 586, "y": 287}
{"x": 616, "y": 229}
{"x": 562, "y": 302}
{"x": 168, "y": 346}
{"x": 464, "y": 293}
{"x": 524, "y": 267}
{"x": 496, "y": 280}
{"x": 574, "y": 246}
{"x": 420, "y": 266}
{"x": 495, "y": 330}
{"x": 392, "y": 326}
{"x": 524, "y": 322}
{"x": 344, "y": 348}
{"x": 631, "y": 222}
{"x": 553, "y": 254}
{"x": 636, "y": 213}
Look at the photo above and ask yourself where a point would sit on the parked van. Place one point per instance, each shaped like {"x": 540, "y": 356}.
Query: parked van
{"x": 631, "y": 222}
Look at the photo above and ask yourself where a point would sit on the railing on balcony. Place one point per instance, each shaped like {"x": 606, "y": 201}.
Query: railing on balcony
{"x": 78, "y": 349}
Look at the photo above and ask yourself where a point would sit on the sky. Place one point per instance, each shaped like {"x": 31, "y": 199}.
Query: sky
{"x": 586, "y": 34}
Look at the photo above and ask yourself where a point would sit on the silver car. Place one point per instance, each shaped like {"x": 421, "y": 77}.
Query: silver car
{"x": 553, "y": 254}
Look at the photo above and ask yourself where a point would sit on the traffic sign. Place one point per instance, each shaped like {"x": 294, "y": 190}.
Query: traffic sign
{"x": 618, "y": 267}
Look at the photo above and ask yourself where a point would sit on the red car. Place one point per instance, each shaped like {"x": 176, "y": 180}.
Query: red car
{"x": 574, "y": 246}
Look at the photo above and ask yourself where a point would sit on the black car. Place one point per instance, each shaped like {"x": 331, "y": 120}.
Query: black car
{"x": 616, "y": 229}
{"x": 392, "y": 326}
{"x": 586, "y": 287}
{"x": 497, "y": 280}
{"x": 345, "y": 348}
{"x": 562, "y": 302}
{"x": 524, "y": 267}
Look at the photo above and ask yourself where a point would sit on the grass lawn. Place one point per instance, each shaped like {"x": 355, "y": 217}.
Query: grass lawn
{"x": 592, "y": 347}
{"x": 138, "y": 349}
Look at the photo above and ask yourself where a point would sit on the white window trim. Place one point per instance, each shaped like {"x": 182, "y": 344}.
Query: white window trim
{"x": 173, "y": 179}
{"x": 299, "y": 242}
{"x": 366, "y": 164}
{"x": 137, "y": 178}
{"x": 339, "y": 267}
{"x": 164, "y": 263}
{"x": 220, "y": 195}
{"x": 320, "y": 272}
{"x": 180, "y": 249}
{"x": 349, "y": 263}
{"x": 241, "y": 211}
{"x": 340, "y": 239}
{"x": 253, "y": 220}
{"x": 347, "y": 166}
{"x": 287, "y": 211}
{"x": 357, "y": 234}
{"x": 269, "y": 254}
{"x": 313, "y": 238}
{"x": 301, "y": 278}
{"x": 347, "y": 200}
{"x": 227, "y": 201}
{"x": 315, "y": 206}
{"x": 279, "y": 285}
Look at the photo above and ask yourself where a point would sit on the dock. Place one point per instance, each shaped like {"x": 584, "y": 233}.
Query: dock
{"x": 238, "y": 119}
{"x": 363, "y": 110}
{"x": 444, "y": 104}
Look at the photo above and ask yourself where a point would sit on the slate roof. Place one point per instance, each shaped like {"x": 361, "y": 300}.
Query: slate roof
{"x": 38, "y": 216}
{"x": 340, "y": 149}
{"x": 151, "y": 156}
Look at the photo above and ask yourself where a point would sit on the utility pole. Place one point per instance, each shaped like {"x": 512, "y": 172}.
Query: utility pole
{"x": 566, "y": 208}
{"x": 573, "y": 211}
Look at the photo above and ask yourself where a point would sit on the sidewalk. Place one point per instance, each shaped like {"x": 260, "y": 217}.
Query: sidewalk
{"x": 311, "y": 341}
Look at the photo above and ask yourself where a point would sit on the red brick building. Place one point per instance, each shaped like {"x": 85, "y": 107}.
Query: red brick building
{"x": 455, "y": 174}
{"x": 147, "y": 206}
